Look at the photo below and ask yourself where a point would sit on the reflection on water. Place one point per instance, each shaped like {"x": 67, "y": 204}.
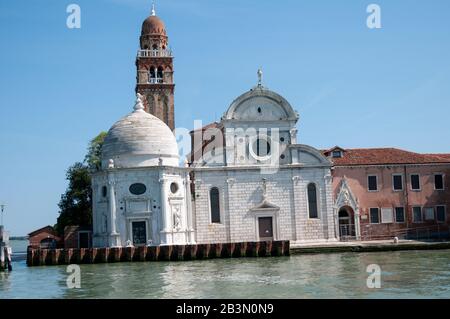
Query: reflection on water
{"x": 424, "y": 274}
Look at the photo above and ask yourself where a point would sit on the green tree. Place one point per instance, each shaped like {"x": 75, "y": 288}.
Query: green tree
{"x": 75, "y": 206}
{"x": 94, "y": 156}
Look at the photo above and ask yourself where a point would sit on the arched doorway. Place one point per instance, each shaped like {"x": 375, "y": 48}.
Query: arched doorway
{"x": 346, "y": 224}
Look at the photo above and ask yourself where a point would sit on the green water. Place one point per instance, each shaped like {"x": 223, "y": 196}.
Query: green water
{"x": 424, "y": 274}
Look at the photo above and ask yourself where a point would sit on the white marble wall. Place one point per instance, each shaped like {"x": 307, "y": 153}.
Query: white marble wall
{"x": 241, "y": 190}
{"x": 158, "y": 206}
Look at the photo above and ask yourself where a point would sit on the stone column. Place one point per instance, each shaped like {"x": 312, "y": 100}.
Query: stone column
{"x": 295, "y": 180}
{"x": 114, "y": 236}
{"x": 293, "y": 133}
{"x": 357, "y": 224}
{"x": 336, "y": 222}
{"x": 165, "y": 214}
{"x": 189, "y": 227}
{"x": 226, "y": 205}
{"x": 331, "y": 213}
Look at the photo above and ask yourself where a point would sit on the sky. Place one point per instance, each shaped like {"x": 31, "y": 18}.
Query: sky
{"x": 352, "y": 86}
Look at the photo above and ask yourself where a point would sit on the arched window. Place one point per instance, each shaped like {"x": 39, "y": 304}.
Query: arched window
{"x": 312, "y": 201}
{"x": 160, "y": 74}
{"x": 214, "y": 205}
{"x": 152, "y": 75}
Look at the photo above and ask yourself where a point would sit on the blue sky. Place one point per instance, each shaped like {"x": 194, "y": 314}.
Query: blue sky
{"x": 352, "y": 86}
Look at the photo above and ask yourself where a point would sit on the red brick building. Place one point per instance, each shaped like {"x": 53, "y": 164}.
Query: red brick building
{"x": 77, "y": 237}
{"x": 382, "y": 193}
{"x": 45, "y": 237}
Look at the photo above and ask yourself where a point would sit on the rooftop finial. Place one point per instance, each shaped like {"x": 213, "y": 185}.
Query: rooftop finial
{"x": 260, "y": 75}
{"x": 153, "y": 9}
{"x": 139, "y": 106}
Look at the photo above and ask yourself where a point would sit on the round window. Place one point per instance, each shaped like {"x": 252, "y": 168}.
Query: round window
{"x": 260, "y": 148}
{"x": 174, "y": 188}
{"x": 138, "y": 189}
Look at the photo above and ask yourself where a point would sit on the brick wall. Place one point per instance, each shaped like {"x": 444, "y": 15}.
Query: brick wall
{"x": 386, "y": 197}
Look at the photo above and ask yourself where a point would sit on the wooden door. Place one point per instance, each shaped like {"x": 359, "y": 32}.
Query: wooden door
{"x": 265, "y": 228}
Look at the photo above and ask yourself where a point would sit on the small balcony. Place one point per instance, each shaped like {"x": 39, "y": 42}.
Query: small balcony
{"x": 155, "y": 81}
{"x": 154, "y": 54}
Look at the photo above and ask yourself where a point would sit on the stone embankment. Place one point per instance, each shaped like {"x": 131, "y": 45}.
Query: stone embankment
{"x": 41, "y": 257}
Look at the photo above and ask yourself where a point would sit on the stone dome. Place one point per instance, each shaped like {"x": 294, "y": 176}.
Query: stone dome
{"x": 140, "y": 140}
{"x": 153, "y": 25}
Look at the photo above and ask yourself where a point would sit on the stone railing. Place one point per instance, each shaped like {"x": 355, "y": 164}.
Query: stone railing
{"x": 154, "y": 54}
{"x": 155, "y": 81}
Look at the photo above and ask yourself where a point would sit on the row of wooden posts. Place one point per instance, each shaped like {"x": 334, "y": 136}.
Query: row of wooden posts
{"x": 41, "y": 257}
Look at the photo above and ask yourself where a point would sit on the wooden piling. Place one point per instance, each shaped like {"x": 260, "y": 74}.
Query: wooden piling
{"x": 165, "y": 253}
{"x": 40, "y": 257}
{"x": 203, "y": 251}
{"x": 152, "y": 253}
{"x": 140, "y": 253}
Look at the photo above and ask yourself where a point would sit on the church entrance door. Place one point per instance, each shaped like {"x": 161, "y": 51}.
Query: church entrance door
{"x": 265, "y": 228}
{"x": 139, "y": 232}
{"x": 346, "y": 227}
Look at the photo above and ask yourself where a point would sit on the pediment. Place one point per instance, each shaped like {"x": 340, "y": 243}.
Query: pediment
{"x": 265, "y": 205}
{"x": 346, "y": 197}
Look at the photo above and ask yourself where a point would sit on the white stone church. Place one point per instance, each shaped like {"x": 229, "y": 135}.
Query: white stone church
{"x": 247, "y": 178}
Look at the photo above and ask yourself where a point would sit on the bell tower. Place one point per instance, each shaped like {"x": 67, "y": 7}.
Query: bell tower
{"x": 154, "y": 63}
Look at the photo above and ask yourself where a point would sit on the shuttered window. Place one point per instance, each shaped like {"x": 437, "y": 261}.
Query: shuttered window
{"x": 439, "y": 182}
{"x": 440, "y": 213}
{"x": 415, "y": 182}
{"x": 397, "y": 182}
{"x": 374, "y": 216}
{"x": 372, "y": 183}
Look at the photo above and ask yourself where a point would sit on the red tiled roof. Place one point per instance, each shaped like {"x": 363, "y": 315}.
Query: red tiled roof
{"x": 49, "y": 229}
{"x": 206, "y": 127}
{"x": 377, "y": 156}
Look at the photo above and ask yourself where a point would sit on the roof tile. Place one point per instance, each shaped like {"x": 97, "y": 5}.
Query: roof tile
{"x": 377, "y": 156}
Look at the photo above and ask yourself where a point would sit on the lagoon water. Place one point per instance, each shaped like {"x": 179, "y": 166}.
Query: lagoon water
{"x": 409, "y": 274}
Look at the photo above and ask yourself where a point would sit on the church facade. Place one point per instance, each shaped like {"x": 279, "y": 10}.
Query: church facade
{"x": 252, "y": 181}
{"x": 247, "y": 177}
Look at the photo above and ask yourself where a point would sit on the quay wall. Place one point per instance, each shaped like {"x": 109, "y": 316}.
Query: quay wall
{"x": 42, "y": 257}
